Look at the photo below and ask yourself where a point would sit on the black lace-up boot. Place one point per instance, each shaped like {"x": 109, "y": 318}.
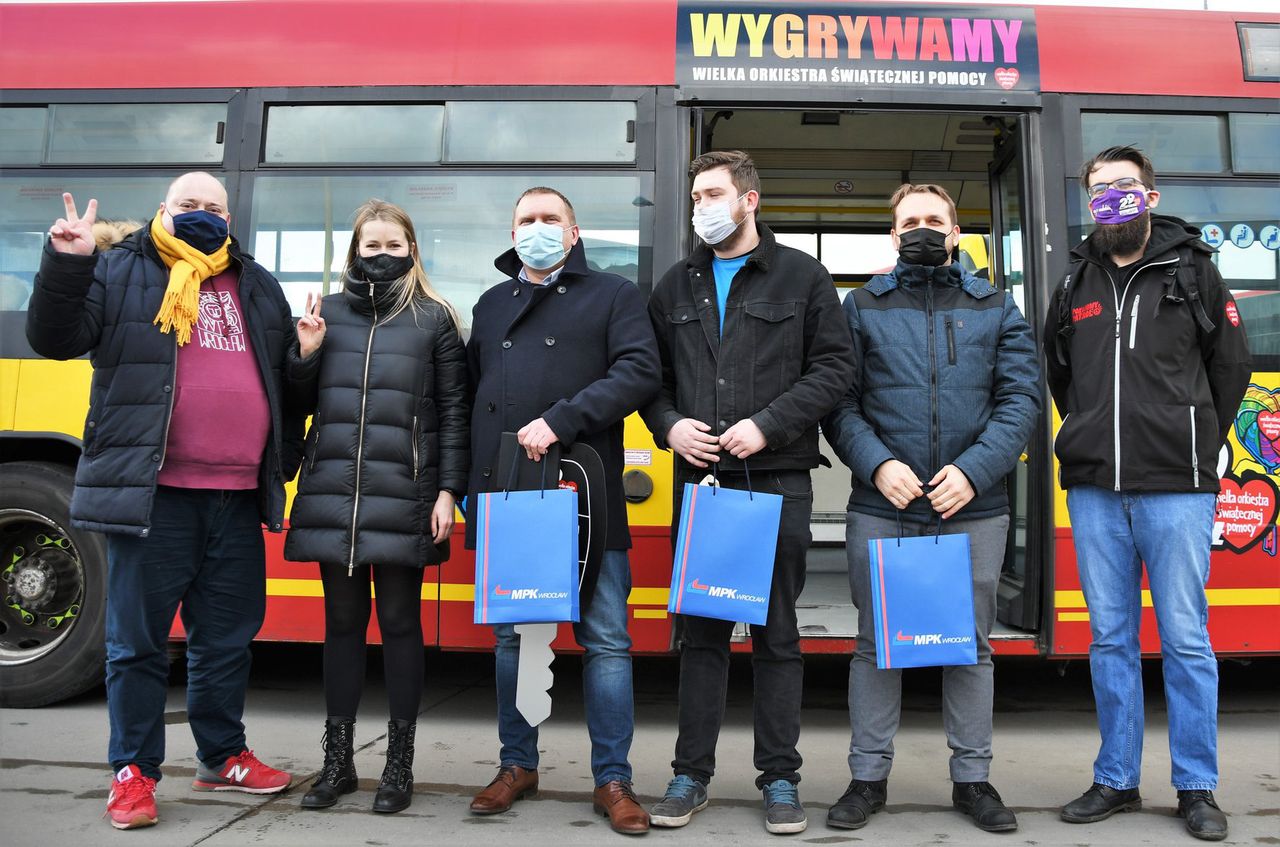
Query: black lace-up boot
{"x": 395, "y": 791}
{"x": 338, "y": 776}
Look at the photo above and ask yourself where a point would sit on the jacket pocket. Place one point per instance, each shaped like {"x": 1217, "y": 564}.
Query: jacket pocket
{"x": 774, "y": 350}
{"x": 1158, "y": 444}
{"x": 413, "y": 443}
{"x": 1083, "y": 440}
{"x": 951, "y": 339}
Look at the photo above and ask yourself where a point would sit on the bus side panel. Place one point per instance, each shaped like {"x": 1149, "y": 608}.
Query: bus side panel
{"x": 1244, "y": 571}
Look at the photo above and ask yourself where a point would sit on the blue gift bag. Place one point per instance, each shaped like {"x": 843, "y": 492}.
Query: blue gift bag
{"x": 922, "y": 597}
{"x": 724, "y": 554}
{"x": 527, "y": 556}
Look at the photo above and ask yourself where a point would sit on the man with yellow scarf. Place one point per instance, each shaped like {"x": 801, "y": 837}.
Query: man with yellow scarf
{"x": 191, "y": 434}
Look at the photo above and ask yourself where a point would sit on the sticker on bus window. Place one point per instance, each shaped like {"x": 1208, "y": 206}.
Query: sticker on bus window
{"x": 1270, "y": 237}
{"x": 1242, "y": 236}
{"x": 1213, "y": 235}
{"x": 637, "y": 457}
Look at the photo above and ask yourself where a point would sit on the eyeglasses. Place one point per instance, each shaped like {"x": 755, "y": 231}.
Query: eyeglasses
{"x": 1126, "y": 183}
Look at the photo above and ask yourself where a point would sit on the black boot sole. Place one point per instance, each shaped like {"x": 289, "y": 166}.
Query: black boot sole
{"x": 1131, "y": 806}
{"x": 391, "y": 810}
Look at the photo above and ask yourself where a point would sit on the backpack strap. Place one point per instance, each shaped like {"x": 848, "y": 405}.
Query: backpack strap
{"x": 1189, "y": 282}
{"x": 1065, "y": 326}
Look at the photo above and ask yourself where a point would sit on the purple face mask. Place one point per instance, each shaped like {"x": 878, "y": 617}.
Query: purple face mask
{"x": 1118, "y": 207}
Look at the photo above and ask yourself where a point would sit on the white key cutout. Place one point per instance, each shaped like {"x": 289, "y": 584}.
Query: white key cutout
{"x": 533, "y": 674}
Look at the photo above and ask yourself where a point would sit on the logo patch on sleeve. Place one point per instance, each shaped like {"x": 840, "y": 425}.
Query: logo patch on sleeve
{"x": 1233, "y": 314}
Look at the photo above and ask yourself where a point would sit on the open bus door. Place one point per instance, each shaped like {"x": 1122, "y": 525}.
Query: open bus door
{"x": 1012, "y": 268}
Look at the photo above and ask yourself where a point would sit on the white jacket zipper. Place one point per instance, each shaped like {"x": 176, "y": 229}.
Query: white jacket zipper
{"x": 364, "y": 400}
{"x": 1120, "y": 296}
{"x": 1195, "y": 458}
{"x": 1133, "y": 321}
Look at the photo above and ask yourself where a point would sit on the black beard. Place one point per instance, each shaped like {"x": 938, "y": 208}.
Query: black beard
{"x": 1123, "y": 239}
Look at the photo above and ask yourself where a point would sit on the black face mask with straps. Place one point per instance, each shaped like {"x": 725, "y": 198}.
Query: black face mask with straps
{"x": 923, "y": 246}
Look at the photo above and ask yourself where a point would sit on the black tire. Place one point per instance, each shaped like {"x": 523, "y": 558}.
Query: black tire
{"x": 35, "y": 497}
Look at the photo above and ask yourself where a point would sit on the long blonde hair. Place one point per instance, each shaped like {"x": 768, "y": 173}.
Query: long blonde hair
{"x": 414, "y": 285}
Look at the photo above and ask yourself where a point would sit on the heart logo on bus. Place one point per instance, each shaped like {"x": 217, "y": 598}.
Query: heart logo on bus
{"x": 1246, "y": 509}
{"x": 1007, "y": 77}
{"x": 1269, "y": 423}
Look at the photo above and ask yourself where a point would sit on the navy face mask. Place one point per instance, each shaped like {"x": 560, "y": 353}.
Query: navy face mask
{"x": 381, "y": 267}
{"x": 203, "y": 230}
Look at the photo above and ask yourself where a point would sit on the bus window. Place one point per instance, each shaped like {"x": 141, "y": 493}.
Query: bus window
{"x": 300, "y": 229}
{"x": 362, "y": 134}
{"x": 503, "y": 131}
{"x": 135, "y": 133}
{"x": 1182, "y": 144}
{"x": 22, "y": 132}
{"x": 1255, "y": 143}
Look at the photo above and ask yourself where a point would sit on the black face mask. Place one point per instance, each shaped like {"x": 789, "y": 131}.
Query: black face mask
{"x": 923, "y": 246}
{"x": 381, "y": 267}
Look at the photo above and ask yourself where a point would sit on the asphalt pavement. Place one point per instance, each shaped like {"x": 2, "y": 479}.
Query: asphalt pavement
{"x": 53, "y": 780}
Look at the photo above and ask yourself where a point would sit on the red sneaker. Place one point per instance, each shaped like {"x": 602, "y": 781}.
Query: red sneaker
{"x": 132, "y": 801}
{"x": 241, "y": 773}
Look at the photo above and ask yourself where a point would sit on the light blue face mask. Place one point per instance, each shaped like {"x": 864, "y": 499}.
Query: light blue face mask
{"x": 540, "y": 245}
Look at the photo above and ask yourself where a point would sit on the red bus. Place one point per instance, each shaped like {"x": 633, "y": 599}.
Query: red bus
{"x": 451, "y": 108}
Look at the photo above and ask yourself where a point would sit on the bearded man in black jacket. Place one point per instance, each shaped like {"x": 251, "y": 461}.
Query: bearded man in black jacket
{"x": 1148, "y": 362}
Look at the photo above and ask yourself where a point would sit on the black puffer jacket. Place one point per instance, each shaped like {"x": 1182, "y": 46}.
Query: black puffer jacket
{"x": 104, "y": 305}
{"x": 390, "y": 422}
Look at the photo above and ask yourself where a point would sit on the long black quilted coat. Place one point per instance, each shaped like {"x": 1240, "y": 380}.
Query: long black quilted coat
{"x": 104, "y": 305}
{"x": 390, "y": 429}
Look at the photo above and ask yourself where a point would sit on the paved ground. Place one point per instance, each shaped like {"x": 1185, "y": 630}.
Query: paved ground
{"x": 53, "y": 782}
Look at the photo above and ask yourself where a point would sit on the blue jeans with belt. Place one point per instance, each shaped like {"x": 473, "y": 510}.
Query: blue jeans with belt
{"x": 1115, "y": 533}
{"x": 606, "y": 679}
{"x": 205, "y": 552}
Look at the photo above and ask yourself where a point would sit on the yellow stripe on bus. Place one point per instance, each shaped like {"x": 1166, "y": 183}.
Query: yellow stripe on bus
{"x": 1216, "y": 596}
{"x": 450, "y": 591}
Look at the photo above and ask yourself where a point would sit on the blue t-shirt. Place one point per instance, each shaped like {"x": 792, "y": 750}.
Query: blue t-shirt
{"x": 725, "y": 270}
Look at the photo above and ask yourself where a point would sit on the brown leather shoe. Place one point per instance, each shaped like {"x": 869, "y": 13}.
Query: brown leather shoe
{"x": 617, "y": 801}
{"x": 511, "y": 784}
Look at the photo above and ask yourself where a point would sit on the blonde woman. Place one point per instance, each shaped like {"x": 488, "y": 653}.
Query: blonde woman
{"x": 386, "y": 456}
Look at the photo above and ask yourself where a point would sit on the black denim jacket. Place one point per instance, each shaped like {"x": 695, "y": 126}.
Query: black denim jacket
{"x": 783, "y": 359}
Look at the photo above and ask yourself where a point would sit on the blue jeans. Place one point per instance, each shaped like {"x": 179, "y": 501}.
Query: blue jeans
{"x": 606, "y": 679}
{"x": 1115, "y": 533}
{"x": 205, "y": 551}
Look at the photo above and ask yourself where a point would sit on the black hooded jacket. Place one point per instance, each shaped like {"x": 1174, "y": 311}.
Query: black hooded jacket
{"x": 1147, "y": 397}
{"x": 390, "y": 429}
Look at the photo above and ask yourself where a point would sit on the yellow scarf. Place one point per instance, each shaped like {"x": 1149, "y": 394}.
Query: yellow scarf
{"x": 188, "y": 267}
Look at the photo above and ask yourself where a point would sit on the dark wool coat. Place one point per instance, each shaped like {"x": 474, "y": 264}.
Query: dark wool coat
{"x": 578, "y": 353}
{"x": 104, "y": 305}
{"x": 390, "y": 422}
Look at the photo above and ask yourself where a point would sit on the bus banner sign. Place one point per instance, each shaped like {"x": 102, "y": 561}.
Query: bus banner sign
{"x": 849, "y": 49}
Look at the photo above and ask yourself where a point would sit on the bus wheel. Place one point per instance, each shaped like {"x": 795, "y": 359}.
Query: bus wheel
{"x": 52, "y": 590}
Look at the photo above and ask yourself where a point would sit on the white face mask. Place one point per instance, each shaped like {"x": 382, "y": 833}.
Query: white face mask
{"x": 714, "y": 224}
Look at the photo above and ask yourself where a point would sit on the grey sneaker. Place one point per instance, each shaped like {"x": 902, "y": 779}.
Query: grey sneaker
{"x": 782, "y": 810}
{"x": 685, "y": 795}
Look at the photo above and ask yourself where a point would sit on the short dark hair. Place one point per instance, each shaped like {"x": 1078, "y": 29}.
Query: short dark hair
{"x": 1121, "y": 153}
{"x": 921, "y": 188}
{"x": 741, "y": 169}
{"x": 542, "y": 189}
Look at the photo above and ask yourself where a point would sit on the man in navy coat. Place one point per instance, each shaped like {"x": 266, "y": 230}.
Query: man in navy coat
{"x": 560, "y": 353}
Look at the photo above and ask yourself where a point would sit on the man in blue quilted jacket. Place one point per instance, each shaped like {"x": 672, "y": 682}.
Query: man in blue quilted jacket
{"x": 945, "y": 395}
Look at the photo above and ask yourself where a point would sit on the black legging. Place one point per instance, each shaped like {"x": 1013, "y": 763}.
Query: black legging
{"x": 346, "y": 620}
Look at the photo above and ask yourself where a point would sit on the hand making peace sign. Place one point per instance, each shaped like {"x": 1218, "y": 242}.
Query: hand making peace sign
{"x": 74, "y": 234}
{"x": 311, "y": 327}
